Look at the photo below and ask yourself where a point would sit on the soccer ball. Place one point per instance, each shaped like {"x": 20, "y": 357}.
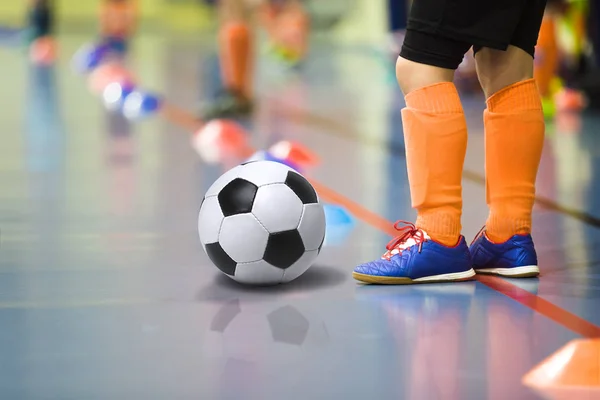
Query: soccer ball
{"x": 262, "y": 223}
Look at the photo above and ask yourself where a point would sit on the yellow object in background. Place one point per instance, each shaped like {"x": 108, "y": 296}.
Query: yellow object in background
{"x": 187, "y": 15}
{"x": 11, "y": 11}
{"x": 183, "y": 15}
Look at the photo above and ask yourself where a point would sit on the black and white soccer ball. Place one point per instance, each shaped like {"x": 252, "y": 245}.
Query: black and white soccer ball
{"x": 262, "y": 223}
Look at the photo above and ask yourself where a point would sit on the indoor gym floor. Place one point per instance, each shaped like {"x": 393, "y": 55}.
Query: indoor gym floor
{"x": 105, "y": 292}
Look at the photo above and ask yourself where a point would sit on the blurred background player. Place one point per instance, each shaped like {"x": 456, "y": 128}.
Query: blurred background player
{"x": 40, "y": 31}
{"x": 503, "y": 35}
{"x": 118, "y": 22}
{"x": 40, "y": 19}
{"x": 557, "y": 60}
{"x": 286, "y": 24}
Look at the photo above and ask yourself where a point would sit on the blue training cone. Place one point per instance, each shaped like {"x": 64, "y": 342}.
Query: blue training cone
{"x": 89, "y": 57}
{"x": 114, "y": 95}
{"x": 340, "y": 223}
{"x": 140, "y": 104}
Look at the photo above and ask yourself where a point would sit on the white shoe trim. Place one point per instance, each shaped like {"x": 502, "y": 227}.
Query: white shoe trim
{"x": 524, "y": 270}
{"x": 454, "y": 276}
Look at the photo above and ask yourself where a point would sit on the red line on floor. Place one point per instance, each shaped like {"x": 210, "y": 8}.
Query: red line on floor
{"x": 528, "y": 299}
{"x": 354, "y": 208}
{"x": 180, "y": 117}
{"x": 542, "y": 306}
{"x": 557, "y": 314}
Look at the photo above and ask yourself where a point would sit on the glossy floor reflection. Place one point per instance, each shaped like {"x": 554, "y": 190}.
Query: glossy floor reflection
{"x": 105, "y": 292}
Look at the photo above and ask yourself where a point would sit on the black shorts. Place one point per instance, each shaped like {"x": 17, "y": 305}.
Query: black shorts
{"x": 40, "y": 20}
{"x": 440, "y": 32}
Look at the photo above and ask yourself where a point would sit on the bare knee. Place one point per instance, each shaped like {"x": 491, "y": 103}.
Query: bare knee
{"x": 412, "y": 75}
{"x": 497, "y": 69}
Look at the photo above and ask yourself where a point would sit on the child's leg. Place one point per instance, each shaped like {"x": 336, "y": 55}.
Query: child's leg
{"x": 118, "y": 18}
{"x": 41, "y": 19}
{"x": 292, "y": 29}
{"x": 287, "y": 25}
{"x": 514, "y": 137}
{"x": 438, "y": 35}
{"x": 235, "y": 47}
{"x": 435, "y": 132}
{"x": 236, "y": 56}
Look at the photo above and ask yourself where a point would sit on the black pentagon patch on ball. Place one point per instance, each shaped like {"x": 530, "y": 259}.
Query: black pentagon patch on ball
{"x": 237, "y": 197}
{"x": 288, "y": 326}
{"x": 301, "y": 187}
{"x": 218, "y": 256}
{"x": 284, "y": 249}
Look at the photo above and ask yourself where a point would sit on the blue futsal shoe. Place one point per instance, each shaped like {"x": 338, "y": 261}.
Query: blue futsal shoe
{"x": 514, "y": 258}
{"x": 413, "y": 257}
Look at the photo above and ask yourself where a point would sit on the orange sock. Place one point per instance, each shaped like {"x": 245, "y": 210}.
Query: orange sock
{"x": 268, "y": 17}
{"x": 546, "y": 52}
{"x": 435, "y": 132}
{"x": 514, "y": 138}
{"x": 236, "y": 57}
{"x": 118, "y": 19}
{"x": 291, "y": 32}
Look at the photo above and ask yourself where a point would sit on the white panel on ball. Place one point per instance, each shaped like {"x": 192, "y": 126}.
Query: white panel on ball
{"x": 258, "y": 273}
{"x": 264, "y": 172}
{"x": 209, "y": 220}
{"x": 243, "y": 238}
{"x": 312, "y": 226}
{"x": 223, "y": 181}
{"x": 277, "y": 207}
{"x": 300, "y": 266}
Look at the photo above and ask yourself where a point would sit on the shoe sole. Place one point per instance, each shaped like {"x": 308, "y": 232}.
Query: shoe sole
{"x": 527, "y": 271}
{"x": 391, "y": 280}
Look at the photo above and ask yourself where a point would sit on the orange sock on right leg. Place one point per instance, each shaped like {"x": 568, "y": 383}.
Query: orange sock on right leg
{"x": 291, "y": 32}
{"x": 235, "y": 45}
{"x": 435, "y": 132}
{"x": 514, "y": 138}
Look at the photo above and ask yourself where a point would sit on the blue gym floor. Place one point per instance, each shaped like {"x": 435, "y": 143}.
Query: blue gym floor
{"x": 105, "y": 292}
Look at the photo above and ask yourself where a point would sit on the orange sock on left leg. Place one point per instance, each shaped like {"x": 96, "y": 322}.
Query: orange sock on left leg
{"x": 235, "y": 43}
{"x": 291, "y": 32}
{"x": 514, "y": 138}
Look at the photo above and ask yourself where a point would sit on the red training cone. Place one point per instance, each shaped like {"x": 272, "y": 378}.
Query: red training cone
{"x": 220, "y": 140}
{"x": 295, "y": 153}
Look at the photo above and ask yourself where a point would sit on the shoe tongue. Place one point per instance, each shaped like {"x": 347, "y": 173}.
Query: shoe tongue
{"x": 410, "y": 242}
